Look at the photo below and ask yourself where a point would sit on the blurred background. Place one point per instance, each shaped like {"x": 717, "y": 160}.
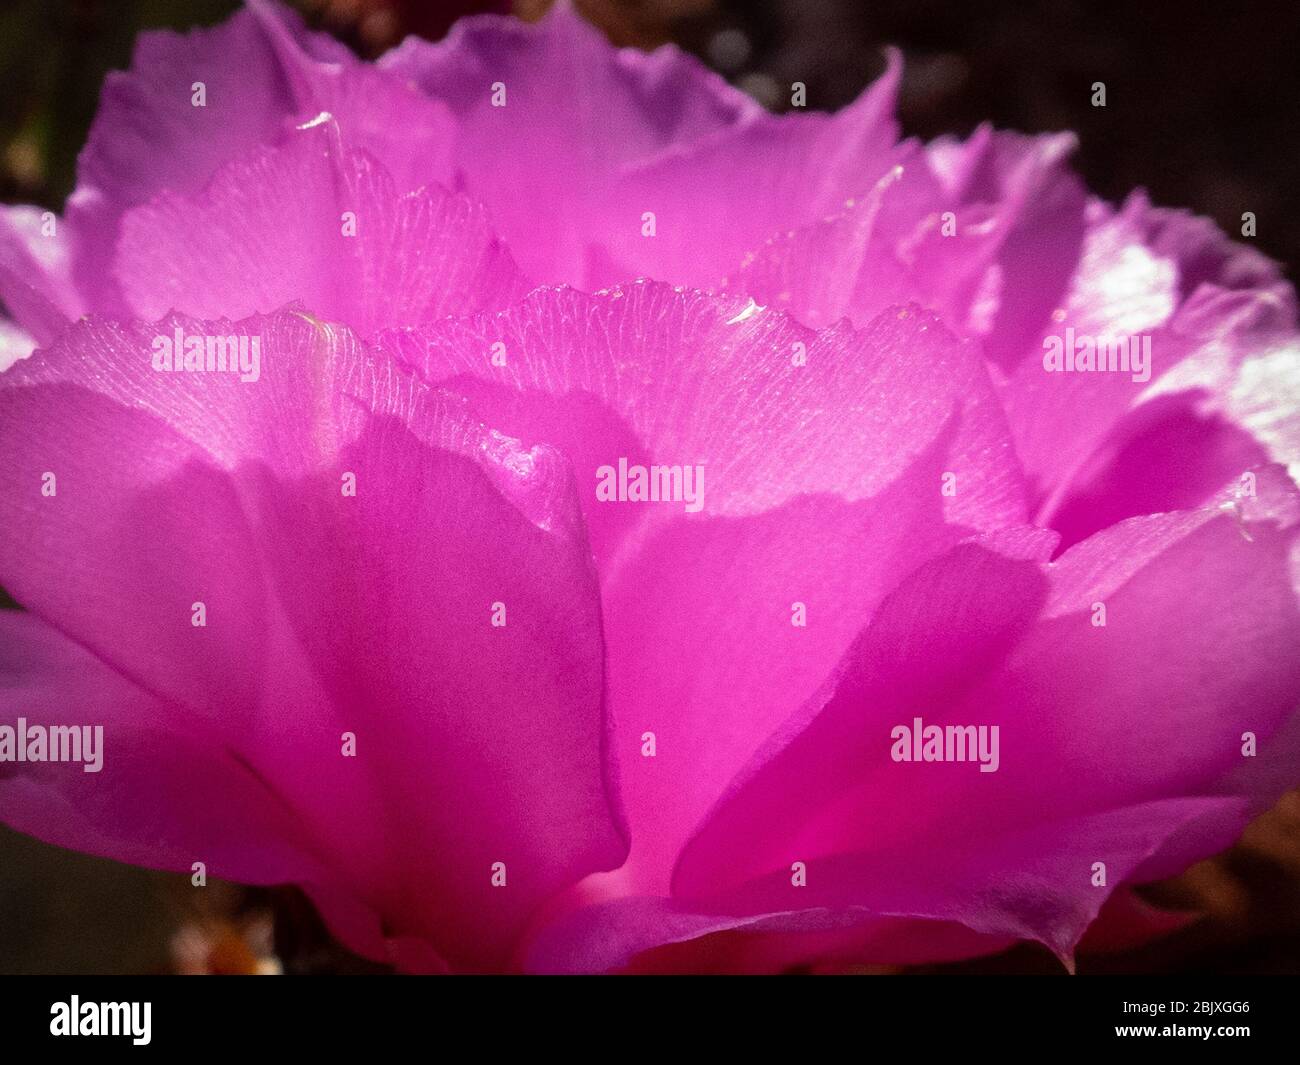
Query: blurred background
{"x": 1201, "y": 110}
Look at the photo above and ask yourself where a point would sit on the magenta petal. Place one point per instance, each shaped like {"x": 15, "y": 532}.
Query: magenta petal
{"x": 770, "y": 409}
{"x": 35, "y": 272}
{"x": 1203, "y": 254}
{"x": 484, "y": 742}
{"x": 1068, "y": 426}
{"x": 1264, "y": 399}
{"x": 1142, "y": 785}
{"x": 1142, "y": 570}
{"x": 721, "y": 198}
{"x": 1040, "y": 209}
{"x": 1166, "y": 456}
{"x": 587, "y": 170}
{"x": 83, "y": 558}
{"x": 645, "y": 103}
{"x": 313, "y": 221}
{"x": 412, "y": 135}
{"x": 329, "y": 613}
{"x": 887, "y": 674}
{"x": 710, "y": 596}
{"x": 152, "y": 801}
{"x": 149, "y": 136}
{"x": 642, "y": 934}
{"x": 15, "y": 344}
{"x": 377, "y": 589}
{"x": 260, "y": 73}
{"x": 861, "y": 940}
{"x": 149, "y": 803}
{"x": 713, "y": 602}
{"x": 987, "y": 239}
{"x": 885, "y": 247}
{"x": 886, "y": 908}
{"x": 576, "y": 111}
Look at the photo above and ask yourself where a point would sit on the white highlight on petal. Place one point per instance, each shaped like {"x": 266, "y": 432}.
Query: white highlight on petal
{"x": 320, "y": 119}
{"x": 748, "y": 313}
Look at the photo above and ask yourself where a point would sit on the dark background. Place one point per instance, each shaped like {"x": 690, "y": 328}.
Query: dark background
{"x": 1201, "y": 110}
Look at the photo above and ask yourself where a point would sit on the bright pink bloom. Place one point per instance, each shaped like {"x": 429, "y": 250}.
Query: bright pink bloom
{"x": 668, "y": 719}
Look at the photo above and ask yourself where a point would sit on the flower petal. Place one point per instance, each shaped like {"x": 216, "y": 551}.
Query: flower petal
{"x": 572, "y": 112}
{"x": 770, "y": 410}
{"x": 316, "y": 222}
{"x": 35, "y": 272}
{"x": 329, "y": 613}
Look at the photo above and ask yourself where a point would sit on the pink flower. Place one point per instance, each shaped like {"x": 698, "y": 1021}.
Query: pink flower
{"x": 636, "y": 530}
